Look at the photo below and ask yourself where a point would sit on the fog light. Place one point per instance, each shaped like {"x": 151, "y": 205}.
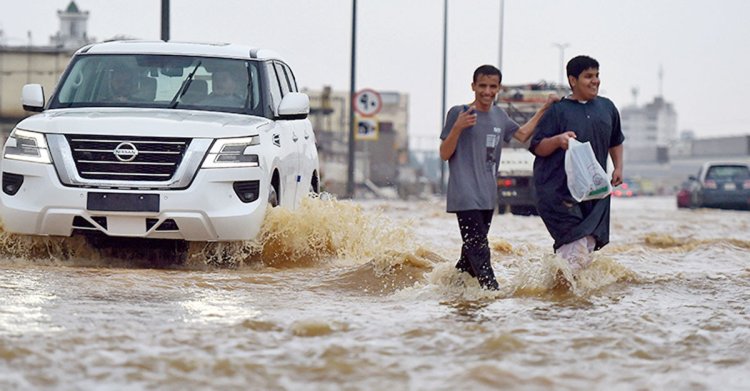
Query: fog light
{"x": 247, "y": 191}
{"x": 12, "y": 183}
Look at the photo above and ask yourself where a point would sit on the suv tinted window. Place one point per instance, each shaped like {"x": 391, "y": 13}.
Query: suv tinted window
{"x": 273, "y": 87}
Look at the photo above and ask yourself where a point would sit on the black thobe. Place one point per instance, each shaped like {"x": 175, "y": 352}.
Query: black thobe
{"x": 598, "y": 122}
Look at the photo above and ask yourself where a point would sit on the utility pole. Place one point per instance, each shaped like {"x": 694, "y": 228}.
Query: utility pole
{"x": 165, "y": 20}
{"x": 445, "y": 76}
{"x": 352, "y": 91}
{"x": 562, "y": 47}
{"x": 502, "y": 26}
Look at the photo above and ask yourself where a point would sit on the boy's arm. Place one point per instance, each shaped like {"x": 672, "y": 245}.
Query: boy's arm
{"x": 550, "y": 144}
{"x": 524, "y": 132}
{"x": 616, "y": 154}
{"x": 465, "y": 120}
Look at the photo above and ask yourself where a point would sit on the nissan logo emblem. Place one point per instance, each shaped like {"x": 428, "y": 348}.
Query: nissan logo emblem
{"x": 126, "y": 152}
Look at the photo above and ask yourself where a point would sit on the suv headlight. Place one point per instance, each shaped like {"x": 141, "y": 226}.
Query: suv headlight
{"x": 28, "y": 146}
{"x": 233, "y": 152}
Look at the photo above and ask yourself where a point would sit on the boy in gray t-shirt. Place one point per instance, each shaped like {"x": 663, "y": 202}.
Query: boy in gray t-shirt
{"x": 471, "y": 143}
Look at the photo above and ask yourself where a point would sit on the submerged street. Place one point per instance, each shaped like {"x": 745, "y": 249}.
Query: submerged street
{"x": 364, "y": 295}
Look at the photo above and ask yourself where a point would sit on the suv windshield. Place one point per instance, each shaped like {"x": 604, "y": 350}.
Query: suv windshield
{"x": 161, "y": 81}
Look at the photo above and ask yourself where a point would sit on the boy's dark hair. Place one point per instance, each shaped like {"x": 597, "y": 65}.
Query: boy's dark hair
{"x": 488, "y": 70}
{"x": 578, "y": 64}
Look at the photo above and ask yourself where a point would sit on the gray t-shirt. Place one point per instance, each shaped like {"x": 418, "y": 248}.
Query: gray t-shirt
{"x": 472, "y": 182}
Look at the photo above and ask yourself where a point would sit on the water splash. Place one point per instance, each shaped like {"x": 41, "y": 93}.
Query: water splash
{"x": 321, "y": 229}
{"x": 20, "y": 248}
{"x": 388, "y": 272}
{"x": 552, "y": 274}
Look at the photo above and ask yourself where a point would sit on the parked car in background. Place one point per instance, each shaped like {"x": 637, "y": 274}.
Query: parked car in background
{"x": 683, "y": 195}
{"x": 723, "y": 185}
{"x": 160, "y": 140}
{"x": 628, "y": 188}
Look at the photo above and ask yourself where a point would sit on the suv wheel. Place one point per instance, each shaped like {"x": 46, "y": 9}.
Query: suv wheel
{"x": 273, "y": 197}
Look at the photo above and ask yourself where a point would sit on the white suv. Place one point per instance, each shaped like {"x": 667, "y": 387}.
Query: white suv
{"x": 160, "y": 140}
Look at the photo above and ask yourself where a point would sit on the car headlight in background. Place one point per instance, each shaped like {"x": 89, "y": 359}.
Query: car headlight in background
{"x": 233, "y": 152}
{"x": 28, "y": 146}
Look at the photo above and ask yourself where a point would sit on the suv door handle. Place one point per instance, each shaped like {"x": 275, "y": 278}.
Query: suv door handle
{"x": 294, "y": 137}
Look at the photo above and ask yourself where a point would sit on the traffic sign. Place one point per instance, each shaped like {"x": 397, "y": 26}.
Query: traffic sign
{"x": 367, "y": 102}
{"x": 367, "y": 129}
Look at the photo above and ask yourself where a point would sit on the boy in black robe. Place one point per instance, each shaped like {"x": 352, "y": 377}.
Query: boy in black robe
{"x": 577, "y": 228}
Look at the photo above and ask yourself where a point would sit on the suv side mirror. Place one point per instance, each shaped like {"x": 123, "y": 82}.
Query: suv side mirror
{"x": 294, "y": 105}
{"x": 32, "y": 97}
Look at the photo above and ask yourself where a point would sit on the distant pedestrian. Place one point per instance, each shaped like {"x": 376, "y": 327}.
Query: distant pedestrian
{"x": 471, "y": 143}
{"x": 578, "y": 229}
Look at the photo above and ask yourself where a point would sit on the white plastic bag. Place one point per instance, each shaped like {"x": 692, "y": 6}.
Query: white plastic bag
{"x": 587, "y": 180}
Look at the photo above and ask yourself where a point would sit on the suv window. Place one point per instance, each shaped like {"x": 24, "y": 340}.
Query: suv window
{"x": 283, "y": 80}
{"x": 290, "y": 77}
{"x": 274, "y": 89}
{"x": 161, "y": 81}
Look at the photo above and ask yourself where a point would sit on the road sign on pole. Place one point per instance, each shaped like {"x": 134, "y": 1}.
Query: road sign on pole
{"x": 367, "y": 102}
{"x": 367, "y": 129}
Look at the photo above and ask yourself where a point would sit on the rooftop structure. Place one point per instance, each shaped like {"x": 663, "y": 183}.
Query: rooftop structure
{"x": 73, "y": 30}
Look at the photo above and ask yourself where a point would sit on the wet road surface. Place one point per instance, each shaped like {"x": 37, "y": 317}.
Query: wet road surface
{"x": 363, "y": 296}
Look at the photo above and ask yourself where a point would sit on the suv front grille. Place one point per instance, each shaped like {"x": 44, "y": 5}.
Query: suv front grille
{"x": 125, "y": 158}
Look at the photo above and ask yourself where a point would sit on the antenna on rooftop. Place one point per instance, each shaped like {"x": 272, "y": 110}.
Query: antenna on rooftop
{"x": 634, "y": 91}
{"x": 661, "y": 80}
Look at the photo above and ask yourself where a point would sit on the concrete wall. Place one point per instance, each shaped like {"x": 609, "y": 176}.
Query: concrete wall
{"x": 721, "y": 147}
{"x": 20, "y": 66}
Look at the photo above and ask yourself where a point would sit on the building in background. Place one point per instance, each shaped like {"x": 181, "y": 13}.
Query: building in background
{"x": 650, "y": 131}
{"x": 382, "y": 163}
{"x": 73, "y": 32}
{"x": 20, "y": 65}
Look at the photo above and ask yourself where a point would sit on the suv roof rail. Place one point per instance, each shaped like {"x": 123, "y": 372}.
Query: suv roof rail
{"x": 176, "y": 48}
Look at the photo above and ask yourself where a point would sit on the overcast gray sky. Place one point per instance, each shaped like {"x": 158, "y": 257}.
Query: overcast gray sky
{"x": 702, "y": 46}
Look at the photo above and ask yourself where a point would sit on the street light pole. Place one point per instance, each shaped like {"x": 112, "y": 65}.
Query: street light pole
{"x": 352, "y": 91}
{"x": 502, "y": 26}
{"x": 165, "y": 20}
{"x": 562, "y": 47}
{"x": 445, "y": 76}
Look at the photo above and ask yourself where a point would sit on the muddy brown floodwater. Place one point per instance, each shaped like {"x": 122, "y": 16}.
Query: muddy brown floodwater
{"x": 363, "y": 296}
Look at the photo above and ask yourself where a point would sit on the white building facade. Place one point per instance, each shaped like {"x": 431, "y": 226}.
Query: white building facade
{"x": 650, "y": 131}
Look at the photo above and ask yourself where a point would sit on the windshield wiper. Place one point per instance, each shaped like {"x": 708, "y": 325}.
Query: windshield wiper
{"x": 184, "y": 87}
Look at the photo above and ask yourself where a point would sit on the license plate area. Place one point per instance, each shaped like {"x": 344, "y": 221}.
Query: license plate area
{"x": 122, "y": 202}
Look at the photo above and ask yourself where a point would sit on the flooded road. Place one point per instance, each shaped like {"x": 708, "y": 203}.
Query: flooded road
{"x": 363, "y": 296}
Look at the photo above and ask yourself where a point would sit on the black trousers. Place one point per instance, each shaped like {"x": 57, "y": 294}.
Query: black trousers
{"x": 475, "y": 252}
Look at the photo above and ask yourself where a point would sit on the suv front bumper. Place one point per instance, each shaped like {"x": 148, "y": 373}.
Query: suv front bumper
{"x": 208, "y": 210}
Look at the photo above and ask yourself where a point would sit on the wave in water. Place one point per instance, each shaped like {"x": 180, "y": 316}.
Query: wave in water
{"x": 319, "y": 230}
{"x": 364, "y": 250}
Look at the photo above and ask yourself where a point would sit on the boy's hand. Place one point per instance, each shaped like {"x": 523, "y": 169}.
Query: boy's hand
{"x": 563, "y": 139}
{"x": 617, "y": 176}
{"x": 466, "y": 118}
{"x": 551, "y": 98}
